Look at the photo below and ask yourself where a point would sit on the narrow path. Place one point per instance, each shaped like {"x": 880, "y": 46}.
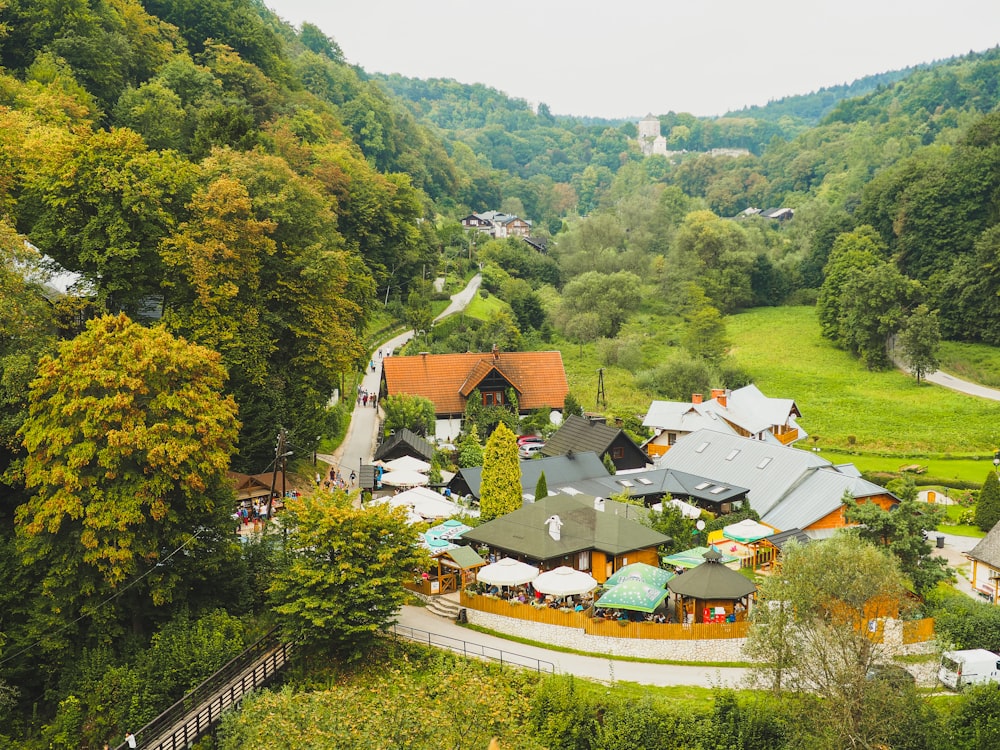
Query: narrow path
{"x": 589, "y": 667}
{"x": 359, "y": 444}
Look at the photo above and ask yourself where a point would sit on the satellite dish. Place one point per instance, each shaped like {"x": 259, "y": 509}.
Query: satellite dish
{"x": 700, "y": 525}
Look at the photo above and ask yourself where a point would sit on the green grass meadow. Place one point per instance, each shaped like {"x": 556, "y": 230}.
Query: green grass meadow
{"x": 849, "y": 408}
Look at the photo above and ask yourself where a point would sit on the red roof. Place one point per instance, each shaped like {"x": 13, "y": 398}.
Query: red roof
{"x": 446, "y": 379}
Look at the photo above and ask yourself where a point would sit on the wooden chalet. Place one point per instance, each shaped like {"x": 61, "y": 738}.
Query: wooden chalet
{"x": 590, "y": 534}
{"x": 580, "y": 434}
{"x": 985, "y": 557}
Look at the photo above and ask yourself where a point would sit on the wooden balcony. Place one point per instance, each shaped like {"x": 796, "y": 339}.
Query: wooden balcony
{"x": 789, "y": 436}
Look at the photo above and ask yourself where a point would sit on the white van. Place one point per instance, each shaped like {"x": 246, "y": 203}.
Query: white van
{"x": 968, "y": 667}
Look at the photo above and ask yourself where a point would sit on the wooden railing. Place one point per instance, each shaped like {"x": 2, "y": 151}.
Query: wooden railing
{"x": 427, "y": 586}
{"x": 547, "y": 615}
{"x": 609, "y": 628}
{"x": 666, "y": 631}
{"x": 788, "y": 436}
{"x": 918, "y": 631}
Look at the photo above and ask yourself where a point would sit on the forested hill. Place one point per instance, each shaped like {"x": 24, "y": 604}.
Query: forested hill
{"x": 810, "y": 108}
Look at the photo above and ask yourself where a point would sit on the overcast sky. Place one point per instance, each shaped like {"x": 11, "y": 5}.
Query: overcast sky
{"x": 608, "y": 58}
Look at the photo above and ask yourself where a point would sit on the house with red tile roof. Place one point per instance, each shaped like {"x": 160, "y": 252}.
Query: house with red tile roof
{"x": 448, "y": 380}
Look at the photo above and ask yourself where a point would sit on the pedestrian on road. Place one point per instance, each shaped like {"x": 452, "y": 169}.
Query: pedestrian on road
{"x": 353, "y": 477}
{"x": 130, "y": 739}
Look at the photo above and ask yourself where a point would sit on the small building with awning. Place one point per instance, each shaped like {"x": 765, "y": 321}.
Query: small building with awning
{"x": 712, "y": 592}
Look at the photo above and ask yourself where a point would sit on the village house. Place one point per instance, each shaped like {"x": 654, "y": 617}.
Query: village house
{"x": 985, "y": 557}
{"x": 586, "y": 533}
{"x": 583, "y": 434}
{"x": 746, "y": 412}
{"x": 497, "y": 224}
{"x": 538, "y": 380}
{"x": 788, "y": 487}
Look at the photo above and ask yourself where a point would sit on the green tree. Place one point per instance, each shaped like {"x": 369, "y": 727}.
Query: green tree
{"x": 611, "y": 298}
{"x": 342, "y": 582}
{"x": 810, "y": 633}
{"x": 988, "y": 503}
{"x": 705, "y": 337}
{"x": 900, "y": 530}
{"x": 919, "y": 339}
{"x": 500, "y": 491}
{"x": 404, "y": 411}
{"x": 853, "y": 253}
{"x": 541, "y": 487}
{"x": 973, "y": 724}
{"x": 670, "y": 521}
{"x": 572, "y": 406}
{"x": 470, "y": 450}
{"x": 128, "y": 442}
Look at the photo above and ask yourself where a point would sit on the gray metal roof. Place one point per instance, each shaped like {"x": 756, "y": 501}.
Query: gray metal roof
{"x": 987, "y": 549}
{"x": 580, "y": 434}
{"x": 654, "y": 483}
{"x": 559, "y": 470}
{"x": 788, "y": 487}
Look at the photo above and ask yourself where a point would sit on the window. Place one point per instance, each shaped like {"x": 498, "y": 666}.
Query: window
{"x": 617, "y": 453}
{"x": 625, "y": 483}
{"x": 703, "y": 485}
{"x": 493, "y": 398}
{"x": 643, "y": 480}
{"x": 733, "y": 455}
{"x": 764, "y": 463}
{"x": 671, "y": 438}
{"x": 718, "y": 490}
{"x": 701, "y": 448}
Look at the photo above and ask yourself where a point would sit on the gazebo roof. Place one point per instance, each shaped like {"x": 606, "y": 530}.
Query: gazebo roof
{"x": 712, "y": 580}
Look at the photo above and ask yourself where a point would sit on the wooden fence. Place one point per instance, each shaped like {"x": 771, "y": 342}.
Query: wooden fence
{"x": 608, "y": 628}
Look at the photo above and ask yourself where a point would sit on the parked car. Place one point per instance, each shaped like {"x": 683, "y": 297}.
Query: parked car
{"x": 529, "y": 450}
{"x": 892, "y": 674}
{"x": 526, "y": 439}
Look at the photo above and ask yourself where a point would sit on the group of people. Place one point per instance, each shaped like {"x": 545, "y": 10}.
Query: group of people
{"x": 367, "y": 399}
{"x": 337, "y": 480}
{"x": 252, "y": 513}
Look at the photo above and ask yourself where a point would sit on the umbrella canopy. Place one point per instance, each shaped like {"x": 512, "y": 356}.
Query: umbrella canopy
{"x": 692, "y": 558}
{"x": 564, "y": 581}
{"x": 633, "y": 595}
{"x": 450, "y": 529}
{"x": 746, "y": 531}
{"x": 407, "y": 463}
{"x": 507, "y": 572}
{"x": 404, "y": 478}
{"x": 423, "y": 503}
{"x": 643, "y": 572}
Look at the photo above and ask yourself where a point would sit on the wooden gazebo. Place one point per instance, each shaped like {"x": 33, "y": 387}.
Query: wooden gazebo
{"x": 712, "y": 592}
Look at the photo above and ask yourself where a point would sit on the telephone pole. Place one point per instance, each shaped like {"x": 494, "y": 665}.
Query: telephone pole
{"x": 601, "y": 398}
{"x": 280, "y": 462}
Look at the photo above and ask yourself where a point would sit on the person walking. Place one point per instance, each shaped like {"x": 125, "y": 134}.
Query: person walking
{"x": 130, "y": 739}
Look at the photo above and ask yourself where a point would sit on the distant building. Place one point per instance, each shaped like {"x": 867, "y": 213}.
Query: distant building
{"x": 497, "y": 224}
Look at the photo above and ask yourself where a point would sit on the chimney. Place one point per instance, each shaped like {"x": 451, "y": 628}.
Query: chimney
{"x": 554, "y": 523}
{"x": 719, "y": 394}
{"x": 695, "y": 398}
{"x": 599, "y": 504}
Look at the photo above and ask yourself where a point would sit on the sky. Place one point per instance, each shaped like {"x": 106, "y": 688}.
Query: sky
{"x": 626, "y": 59}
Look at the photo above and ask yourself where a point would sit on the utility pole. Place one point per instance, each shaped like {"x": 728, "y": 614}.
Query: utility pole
{"x": 601, "y": 398}
{"x": 280, "y": 460}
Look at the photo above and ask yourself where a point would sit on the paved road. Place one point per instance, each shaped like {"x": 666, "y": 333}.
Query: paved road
{"x": 962, "y": 386}
{"x": 590, "y": 667}
{"x": 359, "y": 444}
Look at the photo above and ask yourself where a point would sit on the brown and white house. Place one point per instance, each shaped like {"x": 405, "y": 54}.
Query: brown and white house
{"x": 448, "y": 380}
{"x": 745, "y": 412}
{"x": 498, "y": 224}
{"x": 582, "y": 434}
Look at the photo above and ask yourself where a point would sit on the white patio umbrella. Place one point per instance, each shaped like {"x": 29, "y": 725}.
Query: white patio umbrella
{"x": 506, "y": 572}
{"x": 746, "y": 531}
{"x": 407, "y": 463}
{"x": 564, "y": 581}
{"x": 404, "y": 479}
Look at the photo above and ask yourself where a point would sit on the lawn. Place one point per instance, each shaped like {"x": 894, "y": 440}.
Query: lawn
{"x": 847, "y": 407}
{"x": 976, "y": 362}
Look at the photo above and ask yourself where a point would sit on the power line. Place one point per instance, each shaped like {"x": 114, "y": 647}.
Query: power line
{"x": 106, "y": 601}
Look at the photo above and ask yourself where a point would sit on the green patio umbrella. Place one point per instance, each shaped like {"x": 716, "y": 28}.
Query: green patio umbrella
{"x": 648, "y": 574}
{"x": 633, "y": 595}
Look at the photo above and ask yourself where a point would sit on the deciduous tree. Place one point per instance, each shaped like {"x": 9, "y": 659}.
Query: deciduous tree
{"x": 811, "y": 633}
{"x": 128, "y": 442}
{"x": 919, "y": 340}
{"x": 404, "y": 411}
{"x": 342, "y": 581}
